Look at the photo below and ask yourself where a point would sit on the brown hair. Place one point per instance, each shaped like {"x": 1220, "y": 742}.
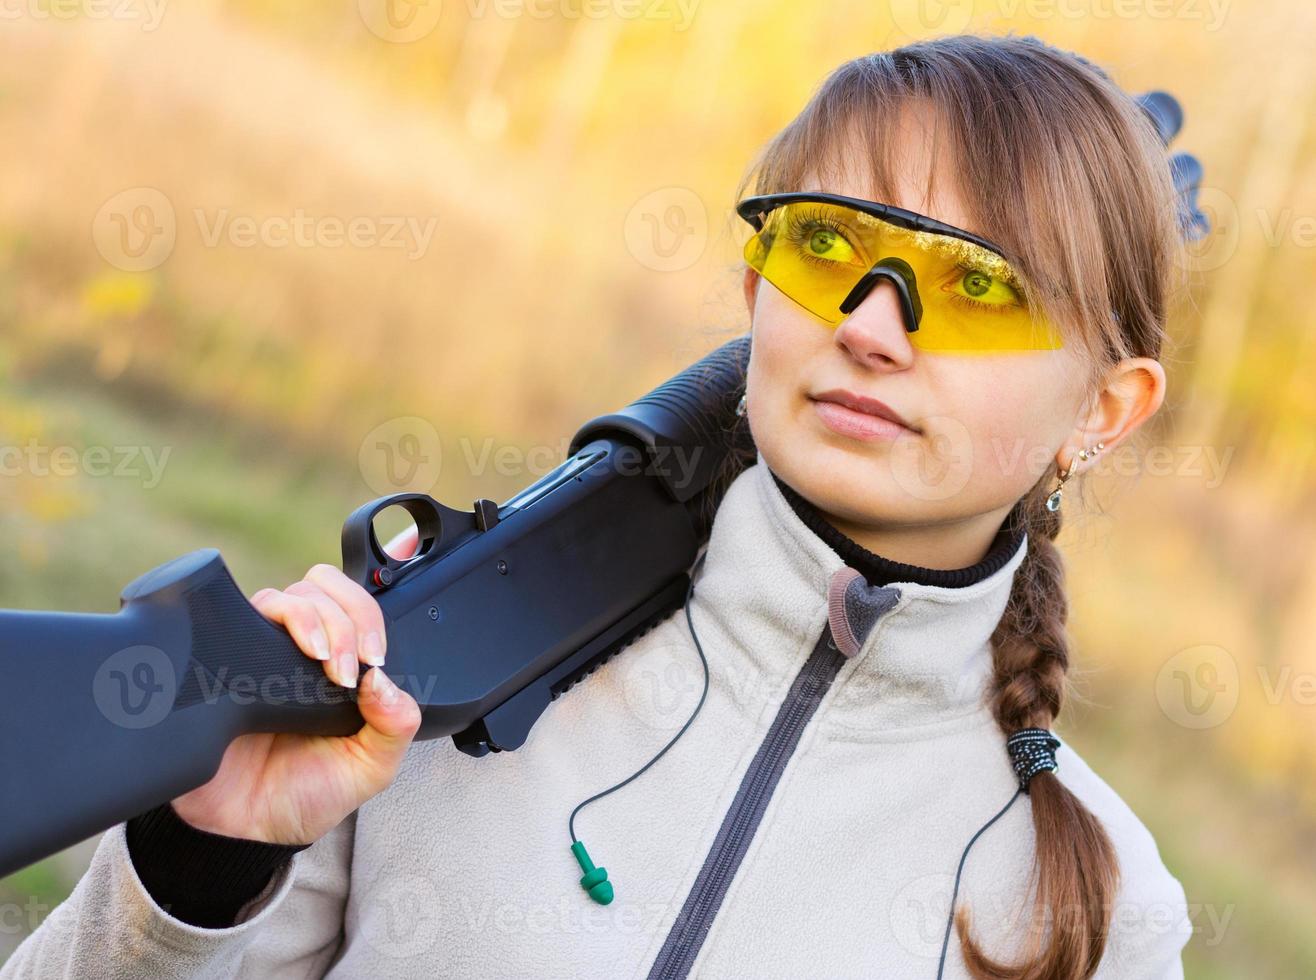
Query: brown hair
{"x": 1062, "y": 169}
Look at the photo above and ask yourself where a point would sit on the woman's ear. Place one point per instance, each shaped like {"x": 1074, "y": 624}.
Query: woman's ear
{"x": 1135, "y": 389}
{"x": 751, "y": 286}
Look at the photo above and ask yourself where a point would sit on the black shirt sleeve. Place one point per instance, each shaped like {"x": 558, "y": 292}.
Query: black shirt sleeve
{"x": 196, "y": 876}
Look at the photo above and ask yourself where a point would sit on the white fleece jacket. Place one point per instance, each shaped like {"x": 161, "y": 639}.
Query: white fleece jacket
{"x": 833, "y": 848}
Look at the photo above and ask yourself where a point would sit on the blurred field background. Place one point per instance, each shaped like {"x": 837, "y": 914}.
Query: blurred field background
{"x": 575, "y": 174}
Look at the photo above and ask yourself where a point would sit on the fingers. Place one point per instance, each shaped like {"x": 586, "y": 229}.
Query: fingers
{"x": 404, "y": 544}
{"x": 332, "y": 619}
{"x": 298, "y": 616}
{"x": 360, "y": 606}
{"x": 392, "y": 718}
{"x": 342, "y": 665}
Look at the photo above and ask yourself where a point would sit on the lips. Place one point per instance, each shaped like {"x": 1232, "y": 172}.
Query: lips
{"x": 862, "y": 403}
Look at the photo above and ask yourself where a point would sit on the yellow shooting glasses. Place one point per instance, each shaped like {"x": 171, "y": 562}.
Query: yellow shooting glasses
{"x": 956, "y": 289}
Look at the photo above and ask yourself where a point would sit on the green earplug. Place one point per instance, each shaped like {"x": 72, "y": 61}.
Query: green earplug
{"x": 595, "y": 880}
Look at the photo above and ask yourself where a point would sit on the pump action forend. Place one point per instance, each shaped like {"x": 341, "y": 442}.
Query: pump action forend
{"x": 502, "y": 609}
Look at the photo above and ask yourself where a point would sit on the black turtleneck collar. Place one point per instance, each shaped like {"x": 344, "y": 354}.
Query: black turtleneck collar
{"x": 883, "y": 571}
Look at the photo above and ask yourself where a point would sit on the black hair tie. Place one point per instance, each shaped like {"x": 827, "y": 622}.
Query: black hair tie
{"x": 1032, "y": 750}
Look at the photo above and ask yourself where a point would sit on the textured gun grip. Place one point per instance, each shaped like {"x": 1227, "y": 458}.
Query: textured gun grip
{"x": 240, "y": 656}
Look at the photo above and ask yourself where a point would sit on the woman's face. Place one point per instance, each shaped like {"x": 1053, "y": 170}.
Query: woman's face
{"x": 984, "y": 427}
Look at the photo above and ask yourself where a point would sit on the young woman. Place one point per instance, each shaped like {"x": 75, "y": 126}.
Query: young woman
{"x": 960, "y": 299}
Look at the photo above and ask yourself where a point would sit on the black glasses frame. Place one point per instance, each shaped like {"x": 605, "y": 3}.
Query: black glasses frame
{"x": 752, "y": 209}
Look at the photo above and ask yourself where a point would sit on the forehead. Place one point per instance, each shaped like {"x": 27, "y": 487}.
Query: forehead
{"x": 921, "y": 168}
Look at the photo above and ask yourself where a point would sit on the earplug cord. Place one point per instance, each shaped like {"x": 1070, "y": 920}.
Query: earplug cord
{"x": 689, "y": 594}
{"x": 595, "y": 880}
{"x": 950, "y": 917}
{"x": 1032, "y": 750}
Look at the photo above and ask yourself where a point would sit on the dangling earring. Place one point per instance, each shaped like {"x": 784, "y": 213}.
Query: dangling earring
{"x": 1053, "y": 501}
{"x": 741, "y": 405}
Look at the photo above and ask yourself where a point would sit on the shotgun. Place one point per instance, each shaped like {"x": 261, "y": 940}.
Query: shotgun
{"x": 500, "y": 610}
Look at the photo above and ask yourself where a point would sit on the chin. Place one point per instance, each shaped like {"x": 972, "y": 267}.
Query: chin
{"x": 843, "y": 477}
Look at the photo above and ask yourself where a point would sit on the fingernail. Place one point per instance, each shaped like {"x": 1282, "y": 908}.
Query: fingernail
{"x": 373, "y": 649}
{"x": 346, "y": 669}
{"x": 382, "y": 686}
{"x": 320, "y": 645}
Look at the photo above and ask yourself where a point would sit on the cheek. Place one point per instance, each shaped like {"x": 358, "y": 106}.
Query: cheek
{"x": 783, "y": 342}
{"x": 1004, "y": 416}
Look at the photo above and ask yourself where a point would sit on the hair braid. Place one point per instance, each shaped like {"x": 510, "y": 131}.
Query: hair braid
{"x": 1076, "y": 868}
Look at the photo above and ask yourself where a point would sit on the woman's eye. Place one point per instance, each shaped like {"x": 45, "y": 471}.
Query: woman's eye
{"x": 982, "y": 287}
{"x": 827, "y": 243}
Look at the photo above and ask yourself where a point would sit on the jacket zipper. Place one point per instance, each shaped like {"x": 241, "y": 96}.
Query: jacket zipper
{"x": 692, "y": 923}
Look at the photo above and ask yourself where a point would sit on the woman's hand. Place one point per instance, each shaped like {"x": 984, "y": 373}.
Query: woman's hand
{"x": 293, "y": 789}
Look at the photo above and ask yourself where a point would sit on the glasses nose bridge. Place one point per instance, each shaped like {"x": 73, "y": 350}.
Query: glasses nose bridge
{"x": 901, "y": 275}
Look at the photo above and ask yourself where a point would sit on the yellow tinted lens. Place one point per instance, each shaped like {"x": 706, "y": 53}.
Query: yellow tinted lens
{"x": 811, "y": 252}
{"x": 972, "y": 301}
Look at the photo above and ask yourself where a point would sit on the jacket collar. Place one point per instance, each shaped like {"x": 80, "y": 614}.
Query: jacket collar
{"x": 919, "y": 654}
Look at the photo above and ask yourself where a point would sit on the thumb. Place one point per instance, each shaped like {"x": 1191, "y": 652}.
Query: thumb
{"x": 391, "y": 719}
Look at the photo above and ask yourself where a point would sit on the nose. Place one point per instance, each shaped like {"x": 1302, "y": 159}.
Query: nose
{"x": 875, "y": 332}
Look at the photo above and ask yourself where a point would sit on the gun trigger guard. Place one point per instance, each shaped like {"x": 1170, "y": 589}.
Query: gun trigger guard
{"x": 364, "y": 558}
